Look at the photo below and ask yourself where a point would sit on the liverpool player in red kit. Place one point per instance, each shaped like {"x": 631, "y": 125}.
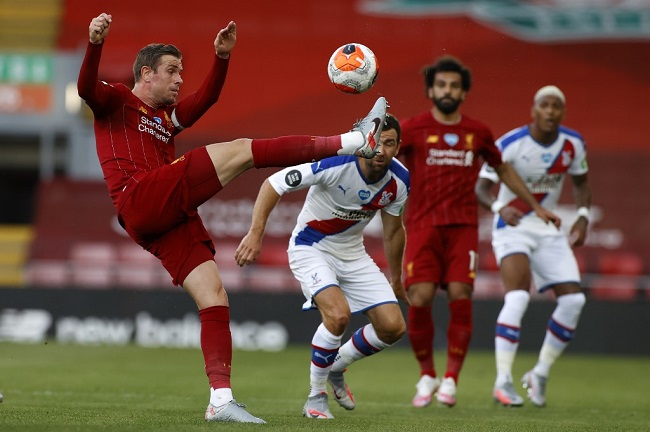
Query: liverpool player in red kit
{"x": 441, "y": 149}
{"x": 156, "y": 195}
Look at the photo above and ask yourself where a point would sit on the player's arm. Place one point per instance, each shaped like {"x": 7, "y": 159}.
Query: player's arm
{"x": 90, "y": 89}
{"x": 251, "y": 244}
{"x": 192, "y": 107}
{"x": 394, "y": 241}
{"x": 582, "y": 199}
{"x": 508, "y": 175}
{"x": 483, "y": 189}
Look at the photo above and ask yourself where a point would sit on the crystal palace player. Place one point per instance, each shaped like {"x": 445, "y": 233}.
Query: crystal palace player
{"x": 441, "y": 147}
{"x": 543, "y": 153}
{"x": 156, "y": 195}
{"x": 328, "y": 257}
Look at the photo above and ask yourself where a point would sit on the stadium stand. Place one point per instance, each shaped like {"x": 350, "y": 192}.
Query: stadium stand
{"x": 90, "y": 252}
{"x": 29, "y": 25}
{"x": 14, "y": 246}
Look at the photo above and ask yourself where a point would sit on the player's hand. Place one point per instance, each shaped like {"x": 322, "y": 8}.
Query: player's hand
{"x": 400, "y": 292}
{"x": 511, "y": 215}
{"x": 248, "y": 249}
{"x": 578, "y": 233}
{"x": 99, "y": 26}
{"x": 548, "y": 216}
{"x": 225, "y": 40}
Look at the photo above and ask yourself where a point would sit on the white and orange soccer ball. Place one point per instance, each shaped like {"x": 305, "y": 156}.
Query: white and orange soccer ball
{"x": 353, "y": 68}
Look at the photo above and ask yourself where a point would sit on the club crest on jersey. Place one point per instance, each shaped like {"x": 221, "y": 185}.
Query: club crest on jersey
{"x": 546, "y": 157}
{"x": 451, "y": 139}
{"x": 385, "y": 198}
{"x": 293, "y": 178}
{"x": 364, "y": 194}
{"x": 566, "y": 157}
{"x": 469, "y": 141}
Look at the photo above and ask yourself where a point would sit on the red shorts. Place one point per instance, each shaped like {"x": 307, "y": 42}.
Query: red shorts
{"x": 441, "y": 254}
{"x": 158, "y": 209}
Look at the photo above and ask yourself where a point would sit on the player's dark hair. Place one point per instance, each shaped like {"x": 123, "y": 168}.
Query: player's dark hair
{"x": 150, "y": 56}
{"x": 391, "y": 122}
{"x": 447, "y": 64}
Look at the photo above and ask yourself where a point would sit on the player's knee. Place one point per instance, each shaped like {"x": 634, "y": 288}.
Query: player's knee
{"x": 338, "y": 321}
{"x": 574, "y": 301}
{"x": 391, "y": 331}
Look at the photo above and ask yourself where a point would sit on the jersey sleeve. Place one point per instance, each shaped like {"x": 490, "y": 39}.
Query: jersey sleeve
{"x": 294, "y": 178}
{"x": 579, "y": 163}
{"x": 102, "y": 98}
{"x": 396, "y": 207}
{"x": 192, "y": 107}
{"x": 489, "y": 151}
{"x": 488, "y": 172}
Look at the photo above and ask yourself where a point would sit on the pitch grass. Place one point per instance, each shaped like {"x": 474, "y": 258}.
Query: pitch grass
{"x": 51, "y": 387}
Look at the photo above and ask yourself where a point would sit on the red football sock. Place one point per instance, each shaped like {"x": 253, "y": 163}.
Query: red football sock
{"x": 216, "y": 344}
{"x": 293, "y": 150}
{"x": 421, "y": 332}
{"x": 458, "y": 335}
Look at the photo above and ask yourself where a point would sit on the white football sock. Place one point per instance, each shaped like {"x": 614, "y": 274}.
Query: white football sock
{"x": 560, "y": 331}
{"x": 509, "y": 323}
{"x": 317, "y": 374}
{"x": 220, "y": 396}
{"x": 350, "y": 142}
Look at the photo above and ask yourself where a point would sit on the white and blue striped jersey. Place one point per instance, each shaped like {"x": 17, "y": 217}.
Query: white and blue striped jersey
{"x": 340, "y": 202}
{"x": 542, "y": 167}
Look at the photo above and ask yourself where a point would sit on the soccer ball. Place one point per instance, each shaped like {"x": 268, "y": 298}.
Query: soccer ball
{"x": 353, "y": 68}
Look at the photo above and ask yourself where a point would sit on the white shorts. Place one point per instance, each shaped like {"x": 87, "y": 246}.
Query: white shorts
{"x": 363, "y": 284}
{"x": 551, "y": 259}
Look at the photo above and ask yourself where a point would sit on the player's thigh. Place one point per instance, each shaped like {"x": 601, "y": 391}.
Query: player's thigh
{"x": 363, "y": 283}
{"x": 515, "y": 272}
{"x": 231, "y": 159}
{"x": 513, "y": 248}
{"x": 313, "y": 271}
{"x": 422, "y": 257}
{"x": 553, "y": 263}
{"x": 460, "y": 254}
{"x": 334, "y": 308}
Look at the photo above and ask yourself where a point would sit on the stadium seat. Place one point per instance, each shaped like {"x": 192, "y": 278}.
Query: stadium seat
{"x": 48, "y": 273}
{"x": 224, "y": 254}
{"x": 273, "y": 254}
{"x": 135, "y": 267}
{"x": 487, "y": 261}
{"x": 614, "y": 288}
{"x": 269, "y": 279}
{"x": 620, "y": 262}
{"x": 92, "y": 264}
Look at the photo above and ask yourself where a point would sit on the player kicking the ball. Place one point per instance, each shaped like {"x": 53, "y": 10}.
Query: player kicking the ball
{"x": 156, "y": 194}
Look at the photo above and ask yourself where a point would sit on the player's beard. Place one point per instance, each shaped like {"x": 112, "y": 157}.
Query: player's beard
{"x": 447, "y": 105}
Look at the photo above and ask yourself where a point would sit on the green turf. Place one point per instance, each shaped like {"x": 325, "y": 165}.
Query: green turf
{"x": 53, "y": 387}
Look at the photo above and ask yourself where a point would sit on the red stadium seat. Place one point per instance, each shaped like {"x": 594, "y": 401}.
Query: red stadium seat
{"x": 620, "y": 262}
{"x": 48, "y": 273}
{"x": 614, "y": 288}
{"x": 92, "y": 264}
{"x": 273, "y": 255}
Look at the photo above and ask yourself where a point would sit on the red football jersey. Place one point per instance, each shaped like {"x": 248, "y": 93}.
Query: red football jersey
{"x": 444, "y": 165}
{"x": 131, "y": 136}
